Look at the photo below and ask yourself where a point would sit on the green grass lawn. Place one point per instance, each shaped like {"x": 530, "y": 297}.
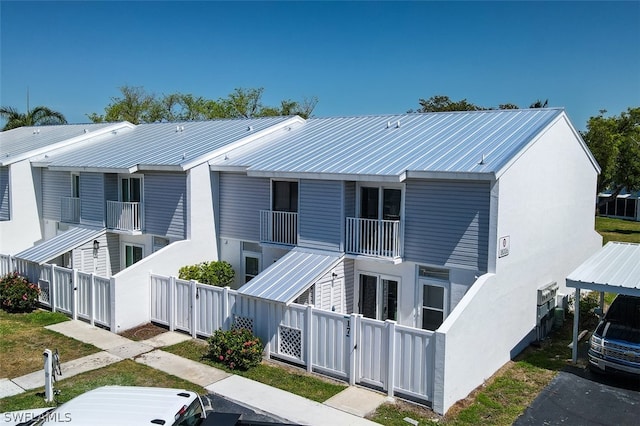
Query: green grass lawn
{"x": 123, "y": 373}
{"x": 618, "y": 230}
{"x": 24, "y": 339}
{"x": 292, "y": 380}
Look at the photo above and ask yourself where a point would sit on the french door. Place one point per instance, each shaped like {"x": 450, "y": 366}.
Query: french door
{"x": 378, "y": 297}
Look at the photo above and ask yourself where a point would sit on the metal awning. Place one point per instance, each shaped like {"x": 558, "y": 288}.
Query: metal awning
{"x": 291, "y": 275}
{"x": 60, "y": 244}
{"x": 615, "y": 268}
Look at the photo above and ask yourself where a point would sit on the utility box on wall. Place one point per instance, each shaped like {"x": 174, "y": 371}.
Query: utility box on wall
{"x": 546, "y": 307}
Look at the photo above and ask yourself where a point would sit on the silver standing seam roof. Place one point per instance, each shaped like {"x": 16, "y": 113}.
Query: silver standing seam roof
{"x": 50, "y": 249}
{"x": 472, "y": 143}
{"x": 291, "y": 275}
{"x": 615, "y": 268}
{"x": 24, "y": 142}
{"x": 166, "y": 146}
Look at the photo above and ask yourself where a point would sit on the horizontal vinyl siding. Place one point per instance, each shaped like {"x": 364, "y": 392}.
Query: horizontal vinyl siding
{"x": 54, "y": 186}
{"x": 165, "y": 204}
{"x": 320, "y": 217}
{"x": 113, "y": 246}
{"x": 110, "y": 187}
{"x": 241, "y": 199}
{"x": 92, "y": 203}
{"x": 4, "y": 193}
{"x": 447, "y": 223}
{"x": 350, "y": 199}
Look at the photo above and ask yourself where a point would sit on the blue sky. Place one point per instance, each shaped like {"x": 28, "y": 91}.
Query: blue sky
{"x": 356, "y": 57}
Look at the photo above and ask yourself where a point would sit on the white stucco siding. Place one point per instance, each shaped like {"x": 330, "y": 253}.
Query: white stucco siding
{"x": 23, "y": 229}
{"x": 131, "y": 294}
{"x": 545, "y": 205}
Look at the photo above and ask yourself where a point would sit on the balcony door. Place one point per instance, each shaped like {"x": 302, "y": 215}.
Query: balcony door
{"x": 378, "y": 297}
{"x": 284, "y": 209}
{"x": 131, "y": 190}
{"x": 380, "y": 203}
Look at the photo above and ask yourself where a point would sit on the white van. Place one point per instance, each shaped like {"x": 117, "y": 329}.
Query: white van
{"x": 119, "y": 405}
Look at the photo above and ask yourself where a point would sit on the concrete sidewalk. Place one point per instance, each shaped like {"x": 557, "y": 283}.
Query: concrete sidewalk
{"x": 346, "y": 408}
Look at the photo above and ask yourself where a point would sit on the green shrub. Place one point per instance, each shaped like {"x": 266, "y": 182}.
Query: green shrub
{"x": 218, "y": 273}
{"x": 17, "y": 294}
{"x": 237, "y": 348}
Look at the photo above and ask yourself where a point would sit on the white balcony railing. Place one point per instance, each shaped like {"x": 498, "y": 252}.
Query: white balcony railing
{"x": 278, "y": 227}
{"x": 373, "y": 237}
{"x": 124, "y": 216}
{"x": 70, "y": 209}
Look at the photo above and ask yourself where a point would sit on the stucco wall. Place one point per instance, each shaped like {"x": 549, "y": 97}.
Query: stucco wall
{"x": 131, "y": 294}
{"x": 545, "y": 205}
{"x": 23, "y": 229}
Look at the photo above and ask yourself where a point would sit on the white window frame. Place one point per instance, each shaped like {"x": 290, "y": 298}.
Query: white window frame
{"x": 381, "y": 189}
{"x": 272, "y": 189}
{"x": 255, "y": 255}
{"x": 129, "y": 177}
{"x": 75, "y": 176}
{"x": 123, "y": 253}
{"x": 379, "y": 292}
{"x": 433, "y": 282}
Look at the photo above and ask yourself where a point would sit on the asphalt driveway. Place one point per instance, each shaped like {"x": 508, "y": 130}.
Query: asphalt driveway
{"x": 581, "y": 398}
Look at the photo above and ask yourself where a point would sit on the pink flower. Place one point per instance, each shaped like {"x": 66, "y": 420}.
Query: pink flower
{"x": 24, "y": 297}
{"x": 220, "y": 357}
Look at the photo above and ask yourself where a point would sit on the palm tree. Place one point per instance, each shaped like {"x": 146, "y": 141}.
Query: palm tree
{"x": 38, "y": 116}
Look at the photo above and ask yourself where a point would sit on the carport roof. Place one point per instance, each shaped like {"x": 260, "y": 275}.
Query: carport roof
{"x": 615, "y": 268}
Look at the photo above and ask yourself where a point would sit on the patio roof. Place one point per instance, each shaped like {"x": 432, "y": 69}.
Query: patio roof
{"x": 615, "y": 268}
{"x": 291, "y": 275}
{"x": 60, "y": 244}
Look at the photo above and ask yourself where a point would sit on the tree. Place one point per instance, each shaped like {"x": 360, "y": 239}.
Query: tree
{"x": 38, "y": 116}
{"x": 439, "y": 103}
{"x": 615, "y": 143}
{"x": 138, "y": 106}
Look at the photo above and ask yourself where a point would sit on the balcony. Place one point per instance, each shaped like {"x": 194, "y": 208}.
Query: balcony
{"x": 124, "y": 216}
{"x": 278, "y": 227}
{"x": 373, "y": 237}
{"x": 70, "y": 209}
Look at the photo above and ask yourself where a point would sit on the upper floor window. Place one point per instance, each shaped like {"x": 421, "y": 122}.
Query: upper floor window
{"x": 75, "y": 185}
{"x": 285, "y": 196}
{"x": 380, "y": 203}
{"x": 131, "y": 189}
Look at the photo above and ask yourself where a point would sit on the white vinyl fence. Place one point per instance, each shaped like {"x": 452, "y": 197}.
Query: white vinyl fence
{"x": 75, "y": 293}
{"x": 381, "y": 354}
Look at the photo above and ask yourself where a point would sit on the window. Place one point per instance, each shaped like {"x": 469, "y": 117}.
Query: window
{"x": 251, "y": 259}
{"x": 285, "y": 196}
{"x": 378, "y": 297}
{"x": 131, "y": 189}
{"x": 433, "y": 304}
{"x": 159, "y": 243}
{"x": 380, "y": 203}
{"x": 132, "y": 254}
{"x": 251, "y": 267}
{"x": 75, "y": 185}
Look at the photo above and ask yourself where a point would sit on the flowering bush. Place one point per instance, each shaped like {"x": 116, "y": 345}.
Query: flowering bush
{"x": 237, "y": 348}
{"x": 17, "y": 294}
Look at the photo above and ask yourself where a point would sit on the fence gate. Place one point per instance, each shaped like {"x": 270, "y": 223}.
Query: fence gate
{"x": 373, "y": 353}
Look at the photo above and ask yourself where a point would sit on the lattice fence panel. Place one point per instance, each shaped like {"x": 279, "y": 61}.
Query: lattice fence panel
{"x": 290, "y": 342}
{"x": 243, "y": 322}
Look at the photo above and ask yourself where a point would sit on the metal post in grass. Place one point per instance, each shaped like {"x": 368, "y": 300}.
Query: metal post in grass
{"x": 48, "y": 375}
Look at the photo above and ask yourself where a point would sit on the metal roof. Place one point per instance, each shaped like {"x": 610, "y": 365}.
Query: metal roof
{"x": 614, "y": 268}
{"x": 24, "y": 142}
{"x": 172, "y": 146}
{"x": 291, "y": 275}
{"x": 60, "y": 244}
{"x": 474, "y": 142}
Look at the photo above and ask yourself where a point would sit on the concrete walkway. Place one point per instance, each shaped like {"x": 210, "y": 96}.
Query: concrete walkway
{"x": 346, "y": 408}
